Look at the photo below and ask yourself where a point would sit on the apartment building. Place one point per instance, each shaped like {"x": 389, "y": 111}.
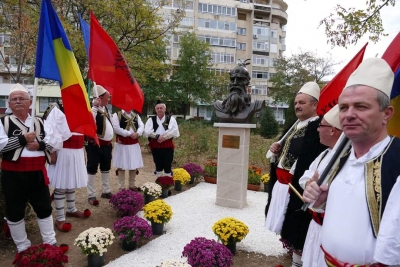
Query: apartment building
{"x": 236, "y": 30}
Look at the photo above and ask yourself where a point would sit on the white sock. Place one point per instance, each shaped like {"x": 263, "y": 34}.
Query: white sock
{"x": 132, "y": 178}
{"x": 59, "y": 203}
{"x": 297, "y": 260}
{"x": 121, "y": 179}
{"x": 70, "y": 197}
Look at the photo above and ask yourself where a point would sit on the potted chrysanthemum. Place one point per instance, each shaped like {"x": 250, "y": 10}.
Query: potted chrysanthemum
{"x": 93, "y": 243}
{"x": 207, "y": 253}
{"x": 41, "y": 255}
{"x": 195, "y": 171}
{"x": 166, "y": 182}
{"x": 126, "y": 202}
{"x": 131, "y": 229}
{"x": 230, "y": 231}
{"x": 265, "y": 180}
{"x": 151, "y": 191}
{"x": 210, "y": 170}
{"x": 181, "y": 177}
{"x": 254, "y": 176}
{"x": 158, "y": 212}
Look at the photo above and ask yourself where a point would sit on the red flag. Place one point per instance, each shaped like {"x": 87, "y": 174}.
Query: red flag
{"x": 392, "y": 53}
{"x": 330, "y": 93}
{"x": 108, "y": 68}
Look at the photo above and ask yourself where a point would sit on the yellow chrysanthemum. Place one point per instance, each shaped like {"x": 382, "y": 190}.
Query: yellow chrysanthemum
{"x": 229, "y": 230}
{"x": 158, "y": 211}
{"x": 181, "y": 175}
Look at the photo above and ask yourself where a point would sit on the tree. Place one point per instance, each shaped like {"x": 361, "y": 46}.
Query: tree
{"x": 347, "y": 25}
{"x": 290, "y": 115}
{"x": 138, "y": 28}
{"x": 269, "y": 126}
{"x": 16, "y": 20}
{"x": 294, "y": 71}
{"x": 191, "y": 80}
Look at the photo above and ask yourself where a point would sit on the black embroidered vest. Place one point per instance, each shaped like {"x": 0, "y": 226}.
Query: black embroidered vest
{"x": 126, "y": 123}
{"x": 101, "y": 118}
{"x": 291, "y": 147}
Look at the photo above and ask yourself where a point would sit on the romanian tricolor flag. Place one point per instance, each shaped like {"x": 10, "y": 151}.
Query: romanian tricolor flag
{"x": 56, "y": 61}
{"x": 392, "y": 57}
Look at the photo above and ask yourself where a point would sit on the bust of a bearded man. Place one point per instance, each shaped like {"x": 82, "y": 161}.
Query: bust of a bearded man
{"x": 237, "y": 106}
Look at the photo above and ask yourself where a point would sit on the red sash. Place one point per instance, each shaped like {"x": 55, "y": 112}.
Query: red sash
{"x": 74, "y": 142}
{"x": 166, "y": 144}
{"x": 318, "y": 217}
{"x": 25, "y": 164}
{"x": 332, "y": 262}
{"x": 284, "y": 177}
{"x": 126, "y": 140}
{"x": 104, "y": 143}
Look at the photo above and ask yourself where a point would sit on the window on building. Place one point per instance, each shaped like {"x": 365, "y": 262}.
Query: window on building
{"x": 241, "y": 16}
{"x": 259, "y": 90}
{"x": 260, "y": 60}
{"x": 259, "y": 75}
{"x": 261, "y": 46}
{"x": 272, "y": 75}
{"x": 241, "y": 31}
{"x": 241, "y": 46}
{"x": 214, "y": 24}
{"x": 3, "y": 101}
{"x": 44, "y": 102}
{"x": 187, "y": 22}
{"x": 262, "y": 31}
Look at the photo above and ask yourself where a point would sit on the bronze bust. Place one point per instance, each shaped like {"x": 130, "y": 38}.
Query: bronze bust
{"x": 237, "y": 106}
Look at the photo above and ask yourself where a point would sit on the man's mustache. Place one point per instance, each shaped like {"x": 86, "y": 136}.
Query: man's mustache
{"x": 298, "y": 109}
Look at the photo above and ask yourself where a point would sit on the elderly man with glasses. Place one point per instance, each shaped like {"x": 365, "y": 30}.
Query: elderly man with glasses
{"x": 23, "y": 177}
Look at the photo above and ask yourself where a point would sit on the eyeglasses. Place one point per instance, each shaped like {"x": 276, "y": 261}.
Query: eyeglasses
{"x": 323, "y": 125}
{"x": 18, "y": 99}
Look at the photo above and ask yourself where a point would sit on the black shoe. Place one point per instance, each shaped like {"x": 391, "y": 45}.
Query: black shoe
{"x": 106, "y": 195}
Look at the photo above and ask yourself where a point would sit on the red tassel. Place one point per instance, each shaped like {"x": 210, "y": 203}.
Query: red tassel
{"x": 64, "y": 248}
{"x": 87, "y": 213}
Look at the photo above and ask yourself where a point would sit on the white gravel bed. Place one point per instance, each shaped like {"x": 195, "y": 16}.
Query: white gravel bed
{"x": 194, "y": 214}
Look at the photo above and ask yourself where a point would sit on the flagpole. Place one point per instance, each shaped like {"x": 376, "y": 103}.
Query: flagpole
{"x": 96, "y": 93}
{"x": 33, "y": 113}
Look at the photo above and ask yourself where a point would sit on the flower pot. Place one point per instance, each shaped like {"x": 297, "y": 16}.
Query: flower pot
{"x": 211, "y": 180}
{"x": 192, "y": 179}
{"x": 95, "y": 260}
{"x": 253, "y": 187}
{"x": 164, "y": 193}
{"x": 157, "y": 228}
{"x": 148, "y": 198}
{"x": 178, "y": 186}
{"x": 128, "y": 246}
{"x": 266, "y": 188}
{"x": 231, "y": 247}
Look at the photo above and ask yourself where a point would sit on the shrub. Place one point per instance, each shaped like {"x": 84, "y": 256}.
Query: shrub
{"x": 132, "y": 228}
{"x": 127, "y": 202}
{"x": 269, "y": 126}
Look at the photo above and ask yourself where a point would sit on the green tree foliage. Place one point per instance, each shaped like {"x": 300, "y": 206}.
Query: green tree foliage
{"x": 191, "y": 79}
{"x": 347, "y": 25}
{"x": 16, "y": 19}
{"x": 294, "y": 71}
{"x": 138, "y": 27}
{"x": 269, "y": 126}
{"x": 290, "y": 115}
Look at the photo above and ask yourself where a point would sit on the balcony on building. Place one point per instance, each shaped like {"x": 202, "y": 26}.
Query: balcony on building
{"x": 262, "y": 22}
{"x": 260, "y": 8}
{"x": 280, "y": 14}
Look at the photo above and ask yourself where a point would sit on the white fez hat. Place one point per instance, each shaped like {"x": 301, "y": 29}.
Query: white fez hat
{"x": 100, "y": 90}
{"x": 375, "y": 73}
{"x": 18, "y": 88}
{"x": 312, "y": 89}
{"x": 332, "y": 117}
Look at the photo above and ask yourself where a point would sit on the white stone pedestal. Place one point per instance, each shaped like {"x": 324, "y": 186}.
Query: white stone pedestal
{"x": 233, "y": 161}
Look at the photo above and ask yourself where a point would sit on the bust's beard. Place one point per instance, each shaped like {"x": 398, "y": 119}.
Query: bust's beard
{"x": 235, "y": 103}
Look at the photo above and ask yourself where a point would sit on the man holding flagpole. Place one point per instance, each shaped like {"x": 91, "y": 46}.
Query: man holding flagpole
{"x": 361, "y": 224}
{"x": 100, "y": 155}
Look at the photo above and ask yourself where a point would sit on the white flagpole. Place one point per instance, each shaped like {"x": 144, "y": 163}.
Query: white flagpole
{"x": 33, "y": 114}
{"x": 96, "y": 93}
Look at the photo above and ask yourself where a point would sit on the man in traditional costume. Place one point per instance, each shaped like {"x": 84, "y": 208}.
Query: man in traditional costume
{"x": 100, "y": 155}
{"x": 295, "y": 152}
{"x": 23, "y": 177}
{"x": 67, "y": 170}
{"x": 329, "y": 132}
{"x": 161, "y": 129}
{"x": 127, "y": 154}
{"x": 361, "y": 224}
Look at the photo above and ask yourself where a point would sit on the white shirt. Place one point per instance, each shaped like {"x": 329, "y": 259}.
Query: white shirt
{"x": 172, "y": 132}
{"x": 347, "y": 232}
{"x": 318, "y": 164}
{"x": 118, "y": 130}
{"x": 109, "y": 132}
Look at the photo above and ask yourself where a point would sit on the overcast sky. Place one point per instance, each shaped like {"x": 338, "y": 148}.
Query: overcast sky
{"x": 302, "y": 30}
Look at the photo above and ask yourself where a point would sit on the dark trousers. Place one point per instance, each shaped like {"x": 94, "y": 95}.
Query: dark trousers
{"x": 22, "y": 187}
{"x": 163, "y": 158}
{"x": 98, "y": 155}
